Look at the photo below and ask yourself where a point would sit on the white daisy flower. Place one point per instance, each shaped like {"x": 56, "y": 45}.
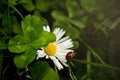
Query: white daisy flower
{"x": 57, "y": 50}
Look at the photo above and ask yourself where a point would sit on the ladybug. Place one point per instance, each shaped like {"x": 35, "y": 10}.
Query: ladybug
{"x": 69, "y": 56}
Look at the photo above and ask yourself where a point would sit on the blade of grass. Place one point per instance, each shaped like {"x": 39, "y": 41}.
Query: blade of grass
{"x": 16, "y": 11}
{"x": 84, "y": 77}
{"x": 8, "y": 14}
{"x": 3, "y": 72}
{"x": 92, "y": 51}
{"x": 72, "y": 76}
{"x": 10, "y": 5}
{"x": 89, "y": 68}
{"x": 72, "y": 64}
{"x": 97, "y": 64}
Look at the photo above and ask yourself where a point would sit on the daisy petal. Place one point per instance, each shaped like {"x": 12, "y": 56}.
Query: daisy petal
{"x": 64, "y": 63}
{"x": 55, "y": 31}
{"x": 59, "y": 33}
{"x": 56, "y": 62}
{"x": 46, "y": 28}
{"x": 61, "y": 40}
{"x": 61, "y": 57}
{"x": 46, "y": 56}
{"x": 61, "y": 51}
{"x": 40, "y": 54}
{"x": 66, "y": 44}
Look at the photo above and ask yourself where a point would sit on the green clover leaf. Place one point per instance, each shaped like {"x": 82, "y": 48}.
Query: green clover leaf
{"x": 41, "y": 71}
{"x": 17, "y": 44}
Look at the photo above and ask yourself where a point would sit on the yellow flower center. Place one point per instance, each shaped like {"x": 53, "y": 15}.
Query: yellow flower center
{"x": 51, "y": 49}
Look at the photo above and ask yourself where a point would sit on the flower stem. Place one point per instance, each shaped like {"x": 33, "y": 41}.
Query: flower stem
{"x": 16, "y": 10}
{"x": 72, "y": 76}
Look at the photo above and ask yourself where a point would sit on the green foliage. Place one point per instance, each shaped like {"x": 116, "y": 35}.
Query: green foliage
{"x": 3, "y": 44}
{"x": 34, "y": 38}
{"x": 80, "y": 23}
{"x": 73, "y": 8}
{"x": 42, "y": 71}
{"x": 43, "y": 40}
{"x": 9, "y": 22}
{"x": 13, "y": 2}
{"x": 25, "y": 58}
{"x": 89, "y": 6}
{"x": 23, "y": 1}
{"x": 58, "y": 16}
{"x": 92, "y": 25}
{"x": 31, "y": 25}
{"x": 70, "y": 30}
{"x": 28, "y": 5}
{"x": 18, "y": 44}
{"x": 44, "y": 5}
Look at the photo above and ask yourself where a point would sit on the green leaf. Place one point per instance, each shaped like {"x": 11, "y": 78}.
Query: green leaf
{"x": 80, "y": 22}
{"x": 50, "y": 73}
{"x": 8, "y": 23}
{"x": 28, "y": 5}
{"x": 88, "y": 5}
{"x": 73, "y": 8}
{"x": 44, "y": 38}
{"x": 44, "y": 5}
{"x": 59, "y": 16}
{"x": 3, "y": 44}
{"x": 17, "y": 29}
{"x": 101, "y": 16}
{"x": 70, "y": 30}
{"x": 41, "y": 71}
{"x": 17, "y": 44}
{"x": 23, "y": 1}
{"x": 32, "y": 26}
{"x": 13, "y": 2}
{"x": 76, "y": 44}
{"x": 25, "y": 58}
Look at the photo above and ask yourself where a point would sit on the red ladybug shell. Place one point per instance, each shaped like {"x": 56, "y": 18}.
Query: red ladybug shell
{"x": 69, "y": 56}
